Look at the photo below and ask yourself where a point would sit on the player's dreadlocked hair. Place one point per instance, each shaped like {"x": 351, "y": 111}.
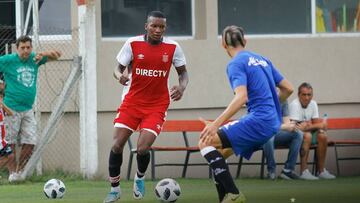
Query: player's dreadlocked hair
{"x": 234, "y": 36}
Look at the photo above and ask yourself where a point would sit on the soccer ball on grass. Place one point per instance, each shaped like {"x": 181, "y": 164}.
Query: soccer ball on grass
{"x": 167, "y": 190}
{"x": 54, "y": 189}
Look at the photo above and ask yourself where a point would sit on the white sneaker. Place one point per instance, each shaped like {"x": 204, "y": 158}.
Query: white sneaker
{"x": 306, "y": 175}
{"x": 15, "y": 177}
{"x": 326, "y": 175}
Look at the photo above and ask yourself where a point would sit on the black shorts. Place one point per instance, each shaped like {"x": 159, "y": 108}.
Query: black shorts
{"x": 224, "y": 139}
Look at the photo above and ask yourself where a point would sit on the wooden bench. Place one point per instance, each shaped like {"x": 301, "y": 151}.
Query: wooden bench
{"x": 185, "y": 126}
{"x": 343, "y": 124}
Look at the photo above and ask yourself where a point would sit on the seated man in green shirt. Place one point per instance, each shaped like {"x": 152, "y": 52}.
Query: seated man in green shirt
{"x": 20, "y": 74}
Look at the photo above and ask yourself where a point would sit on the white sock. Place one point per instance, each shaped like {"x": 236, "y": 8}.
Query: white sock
{"x": 141, "y": 174}
{"x": 206, "y": 150}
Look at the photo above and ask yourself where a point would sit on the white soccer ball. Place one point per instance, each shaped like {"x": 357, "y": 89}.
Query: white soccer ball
{"x": 54, "y": 189}
{"x": 167, "y": 190}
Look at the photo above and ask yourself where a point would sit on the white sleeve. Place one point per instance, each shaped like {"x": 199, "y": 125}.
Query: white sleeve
{"x": 125, "y": 55}
{"x": 315, "y": 110}
{"x": 295, "y": 111}
{"x": 179, "y": 57}
{"x": 126, "y": 88}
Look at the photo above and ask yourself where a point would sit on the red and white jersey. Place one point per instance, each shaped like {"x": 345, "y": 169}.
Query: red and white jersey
{"x": 150, "y": 68}
{"x": 2, "y": 130}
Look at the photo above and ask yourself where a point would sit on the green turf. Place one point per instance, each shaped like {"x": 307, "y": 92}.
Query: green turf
{"x": 341, "y": 190}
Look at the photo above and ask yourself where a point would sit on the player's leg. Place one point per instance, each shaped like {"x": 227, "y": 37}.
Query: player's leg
{"x": 145, "y": 140}
{"x": 223, "y": 180}
{"x": 150, "y": 128}
{"x": 124, "y": 126}
{"x": 238, "y": 136}
{"x": 227, "y": 152}
{"x": 121, "y": 135}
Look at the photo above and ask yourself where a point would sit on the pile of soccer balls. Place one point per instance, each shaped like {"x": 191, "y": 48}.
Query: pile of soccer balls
{"x": 167, "y": 190}
{"x": 54, "y": 189}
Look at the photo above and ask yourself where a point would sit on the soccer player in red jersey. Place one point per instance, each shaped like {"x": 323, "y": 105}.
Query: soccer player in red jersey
{"x": 148, "y": 59}
{"x": 5, "y": 149}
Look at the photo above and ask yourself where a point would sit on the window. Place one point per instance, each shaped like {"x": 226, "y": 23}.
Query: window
{"x": 54, "y": 17}
{"x": 337, "y": 16}
{"x": 7, "y": 12}
{"x": 123, "y": 18}
{"x": 7, "y": 24}
{"x": 266, "y": 17}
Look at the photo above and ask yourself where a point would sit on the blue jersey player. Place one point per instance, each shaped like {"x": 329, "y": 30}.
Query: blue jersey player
{"x": 253, "y": 79}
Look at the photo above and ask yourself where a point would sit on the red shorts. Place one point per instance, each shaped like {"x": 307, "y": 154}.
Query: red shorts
{"x": 135, "y": 118}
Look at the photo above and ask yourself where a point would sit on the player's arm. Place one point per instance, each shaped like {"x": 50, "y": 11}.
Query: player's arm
{"x": 6, "y": 109}
{"x": 121, "y": 75}
{"x": 124, "y": 59}
{"x": 286, "y": 89}
{"x": 177, "y": 91}
{"x": 235, "y": 105}
{"x": 51, "y": 55}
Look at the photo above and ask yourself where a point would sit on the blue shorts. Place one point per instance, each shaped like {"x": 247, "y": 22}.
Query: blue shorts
{"x": 249, "y": 134}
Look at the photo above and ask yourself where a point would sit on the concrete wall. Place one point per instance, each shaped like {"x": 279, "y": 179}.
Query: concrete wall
{"x": 329, "y": 63}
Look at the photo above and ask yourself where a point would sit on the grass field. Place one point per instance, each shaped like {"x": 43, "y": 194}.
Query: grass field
{"x": 341, "y": 190}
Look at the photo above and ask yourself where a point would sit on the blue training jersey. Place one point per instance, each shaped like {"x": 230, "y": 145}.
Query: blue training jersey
{"x": 261, "y": 78}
